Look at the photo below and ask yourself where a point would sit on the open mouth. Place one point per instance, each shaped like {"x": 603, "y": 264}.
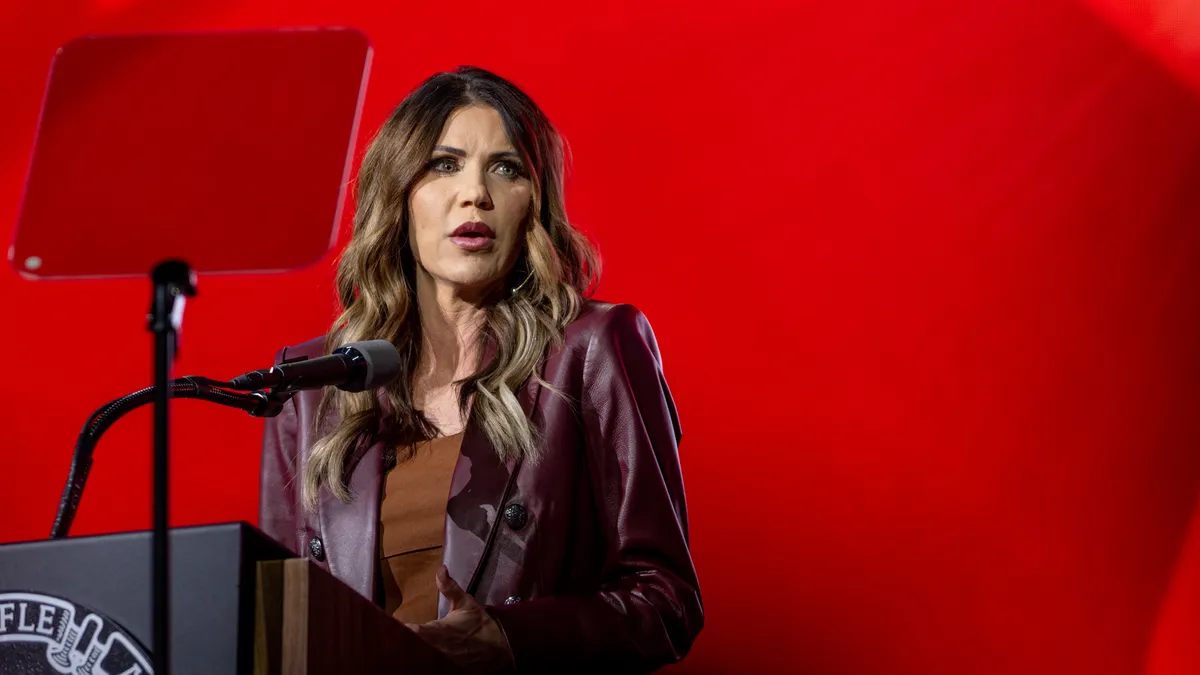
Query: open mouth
{"x": 473, "y": 236}
{"x": 474, "y": 229}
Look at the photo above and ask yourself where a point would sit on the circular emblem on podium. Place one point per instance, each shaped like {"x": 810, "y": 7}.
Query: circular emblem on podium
{"x": 43, "y": 634}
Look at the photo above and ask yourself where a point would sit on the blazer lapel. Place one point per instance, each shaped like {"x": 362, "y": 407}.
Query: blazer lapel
{"x": 478, "y": 490}
{"x": 351, "y": 530}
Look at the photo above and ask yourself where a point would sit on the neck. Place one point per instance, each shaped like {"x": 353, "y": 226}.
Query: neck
{"x": 450, "y": 324}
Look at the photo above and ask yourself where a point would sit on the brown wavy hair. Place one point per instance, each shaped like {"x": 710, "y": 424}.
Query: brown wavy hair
{"x": 376, "y": 280}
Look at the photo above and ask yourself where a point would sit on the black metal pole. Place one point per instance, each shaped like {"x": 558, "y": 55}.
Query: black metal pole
{"x": 163, "y": 357}
{"x": 173, "y": 282}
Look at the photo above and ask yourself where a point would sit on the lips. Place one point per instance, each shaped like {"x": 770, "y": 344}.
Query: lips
{"x": 474, "y": 229}
{"x": 473, "y": 236}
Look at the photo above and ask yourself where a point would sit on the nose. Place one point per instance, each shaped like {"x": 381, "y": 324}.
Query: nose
{"x": 473, "y": 191}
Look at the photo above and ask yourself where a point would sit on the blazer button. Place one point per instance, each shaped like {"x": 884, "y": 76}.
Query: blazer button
{"x": 516, "y": 516}
{"x": 316, "y": 548}
{"x": 512, "y": 600}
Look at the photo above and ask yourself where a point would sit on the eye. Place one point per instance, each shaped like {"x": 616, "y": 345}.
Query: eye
{"x": 510, "y": 170}
{"x": 443, "y": 164}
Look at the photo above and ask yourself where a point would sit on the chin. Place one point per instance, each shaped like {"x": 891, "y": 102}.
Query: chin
{"x": 468, "y": 276}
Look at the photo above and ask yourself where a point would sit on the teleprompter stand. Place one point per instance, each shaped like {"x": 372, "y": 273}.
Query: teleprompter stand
{"x": 173, "y": 282}
{"x": 224, "y": 108}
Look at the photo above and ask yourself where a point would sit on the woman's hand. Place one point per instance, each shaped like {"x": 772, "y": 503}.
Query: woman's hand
{"x": 468, "y": 634}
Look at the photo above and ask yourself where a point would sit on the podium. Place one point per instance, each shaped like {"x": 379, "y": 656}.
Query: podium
{"x": 241, "y": 604}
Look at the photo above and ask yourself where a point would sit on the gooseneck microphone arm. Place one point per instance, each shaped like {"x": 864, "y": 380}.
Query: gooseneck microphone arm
{"x": 357, "y": 366}
{"x": 258, "y": 404}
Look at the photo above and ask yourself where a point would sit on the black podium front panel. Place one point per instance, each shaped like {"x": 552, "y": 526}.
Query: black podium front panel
{"x": 65, "y": 602}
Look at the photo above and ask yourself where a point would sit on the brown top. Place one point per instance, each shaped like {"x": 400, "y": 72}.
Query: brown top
{"x": 412, "y": 518}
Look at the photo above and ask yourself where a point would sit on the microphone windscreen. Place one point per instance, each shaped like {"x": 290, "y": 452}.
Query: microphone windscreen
{"x": 382, "y": 359}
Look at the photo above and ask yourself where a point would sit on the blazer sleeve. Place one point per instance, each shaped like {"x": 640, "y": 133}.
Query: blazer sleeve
{"x": 278, "y": 490}
{"x": 647, "y": 611}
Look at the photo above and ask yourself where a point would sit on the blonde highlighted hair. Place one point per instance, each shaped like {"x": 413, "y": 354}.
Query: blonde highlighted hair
{"x": 556, "y": 269}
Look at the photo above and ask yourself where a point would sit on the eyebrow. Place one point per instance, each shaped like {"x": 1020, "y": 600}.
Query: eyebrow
{"x": 458, "y": 152}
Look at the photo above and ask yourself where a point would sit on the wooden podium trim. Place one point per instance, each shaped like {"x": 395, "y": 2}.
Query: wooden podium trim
{"x": 309, "y": 623}
{"x": 268, "y": 618}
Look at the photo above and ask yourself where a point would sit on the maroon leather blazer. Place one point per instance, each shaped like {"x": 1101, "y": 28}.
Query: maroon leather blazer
{"x": 583, "y": 557}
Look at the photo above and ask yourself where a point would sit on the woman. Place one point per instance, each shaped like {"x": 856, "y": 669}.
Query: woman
{"x": 542, "y": 416}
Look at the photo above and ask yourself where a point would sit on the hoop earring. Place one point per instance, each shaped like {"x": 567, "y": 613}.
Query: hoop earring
{"x": 512, "y": 293}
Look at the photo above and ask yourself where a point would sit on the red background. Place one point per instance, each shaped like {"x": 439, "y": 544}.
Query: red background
{"x": 925, "y": 277}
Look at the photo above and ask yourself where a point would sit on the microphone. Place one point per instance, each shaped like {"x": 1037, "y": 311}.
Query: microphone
{"x": 356, "y": 366}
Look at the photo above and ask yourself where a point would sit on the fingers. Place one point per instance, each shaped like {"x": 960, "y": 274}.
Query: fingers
{"x": 427, "y": 630}
{"x": 452, "y": 591}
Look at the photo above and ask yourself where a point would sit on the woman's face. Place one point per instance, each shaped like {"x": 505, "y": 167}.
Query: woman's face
{"x": 467, "y": 213}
